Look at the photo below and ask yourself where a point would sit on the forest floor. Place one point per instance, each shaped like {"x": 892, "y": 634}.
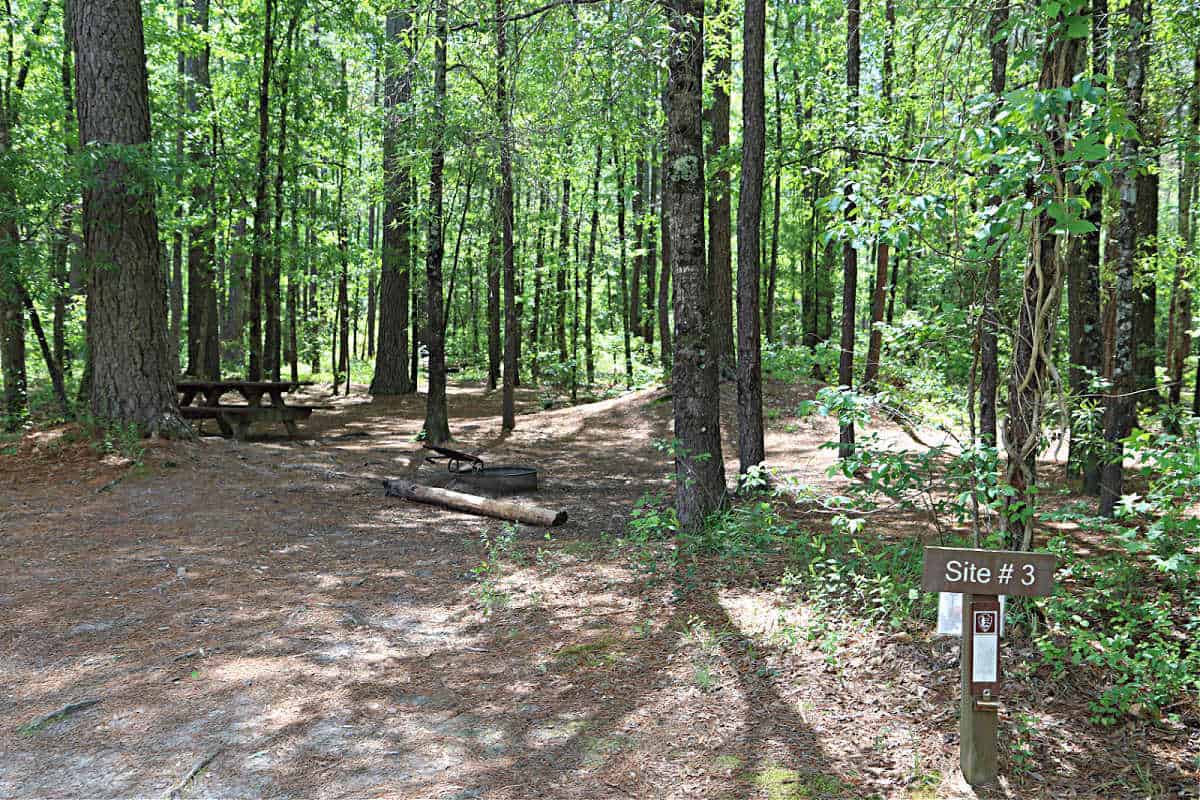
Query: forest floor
{"x": 263, "y": 604}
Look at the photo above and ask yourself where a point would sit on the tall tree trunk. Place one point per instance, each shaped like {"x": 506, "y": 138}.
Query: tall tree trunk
{"x": 751, "y": 450}
{"x": 588, "y": 355}
{"x": 1145, "y": 301}
{"x": 651, "y": 263}
{"x": 989, "y": 331}
{"x": 1083, "y": 286}
{"x": 664, "y": 284}
{"x": 391, "y": 362}
{"x": 262, "y": 236}
{"x": 849, "y": 253}
{"x": 1122, "y": 404}
{"x": 624, "y": 275}
{"x": 1037, "y": 316}
{"x": 205, "y": 354}
{"x": 560, "y": 271}
{"x": 539, "y": 267}
{"x": 508, "y": 411}
{"x": 175, "y": 306}
{"x": 1179, "y": 340}
{"x": 271, "y": 286}
{"x": 773, "y": 272}
{"x": 132, "y": 380}
{"x": 638, "y": 209}
{"x": 720, "y": 204}
{"x": 493, "y": 293}
{"x": 371, "y": 287}
{"x": 699, "y": 468}
{"x": 882, "y": 247}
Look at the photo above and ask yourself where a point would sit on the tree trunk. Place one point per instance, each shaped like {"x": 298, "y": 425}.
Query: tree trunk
{"x": 391, "y": 362}
{"x": 664, "y": 284}
{"x": 261, "y": 234}
{"x": 1036, "y": 321}
{"x": 751, "y": 451}
{"x": 493, "y": 293}
{"x": 720, "y": 204}
{"x": 437, "y": 425}
{"x": 508, "y": 411}
{"x": 1179, "y": 341}
{"x": 588, "y": 355}
{"x": 560, "y": 271}
{"x": 1083, "y": 287}
{"x": 1145, "y": 301}
{"x": 699, "y": 467}
{"x": 371, "y": 285}
{"x": 849, "y": 253}
{"x": 638, "y": 209}
{"x": 271, "y": 285}
{"x": 989, "y": 332}
{"x": 651, "y": 263}
{"x": 1122, "y": 404}
{"x": 624, "y": 275}
{"x": 773, "y": 272}
{"x": 205, "y": 353}
{"x": 127, "y": 337}
{"x": 882, "y": 247}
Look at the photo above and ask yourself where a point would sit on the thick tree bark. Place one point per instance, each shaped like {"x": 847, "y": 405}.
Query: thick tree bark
{"x": 508, "y": 411}
{"x": 720, "y": 204}
{"x": 849, "y": 253}
{"x": 1083, "y": 285}
{"x": 1037, "y": 316}
{"x": 1122, "y": 404}
{"x": 699, "y": 467}
{"x": 751, "y": 450}
{"x": 391, "y": 362}
{"x": 132, "y": 380}
{"x": 989, "y": 330}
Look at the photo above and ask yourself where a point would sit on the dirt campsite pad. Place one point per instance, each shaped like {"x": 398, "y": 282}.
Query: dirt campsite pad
{"x": 257, "y": 620}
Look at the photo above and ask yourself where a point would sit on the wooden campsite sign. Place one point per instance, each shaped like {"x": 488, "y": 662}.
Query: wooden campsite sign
{"x": 981, "y": 576}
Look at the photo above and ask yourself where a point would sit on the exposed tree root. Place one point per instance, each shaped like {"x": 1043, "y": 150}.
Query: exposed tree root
{"x": 176, "y": 791}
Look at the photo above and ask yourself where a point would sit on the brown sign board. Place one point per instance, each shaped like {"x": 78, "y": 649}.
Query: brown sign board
{"x": 990, "y": 572}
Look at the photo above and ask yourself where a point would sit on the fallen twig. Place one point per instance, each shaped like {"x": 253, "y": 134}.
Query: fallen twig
{"x": 176, "y": 791}
{"x": 60, "y": 713}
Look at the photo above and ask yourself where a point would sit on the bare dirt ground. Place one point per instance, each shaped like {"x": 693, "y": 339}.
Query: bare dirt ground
{"x": 264, "y": 605}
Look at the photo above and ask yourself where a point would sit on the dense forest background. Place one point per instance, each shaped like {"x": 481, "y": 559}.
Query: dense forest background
{"x": 894, "y": 197}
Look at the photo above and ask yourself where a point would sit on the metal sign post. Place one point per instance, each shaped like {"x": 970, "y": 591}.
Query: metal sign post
{"x": 981, "y": 576}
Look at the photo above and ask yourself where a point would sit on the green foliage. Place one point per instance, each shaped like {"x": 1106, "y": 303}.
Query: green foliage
{"x": 1135, "y": 616}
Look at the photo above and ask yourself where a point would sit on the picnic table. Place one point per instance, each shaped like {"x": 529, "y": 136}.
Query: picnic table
{"x": 234, "y": 419}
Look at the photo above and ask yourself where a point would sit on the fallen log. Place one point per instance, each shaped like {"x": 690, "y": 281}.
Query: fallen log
{"x": 474, "y": 504}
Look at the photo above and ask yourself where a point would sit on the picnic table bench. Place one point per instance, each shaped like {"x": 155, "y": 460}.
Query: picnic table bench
{"x": 235, "y": 419}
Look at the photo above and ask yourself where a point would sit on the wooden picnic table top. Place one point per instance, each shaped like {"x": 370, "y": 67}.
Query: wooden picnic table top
{"x": 266, "y": 386}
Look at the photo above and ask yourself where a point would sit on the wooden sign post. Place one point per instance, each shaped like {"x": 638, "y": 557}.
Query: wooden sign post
{"x": 982, "y": 576}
